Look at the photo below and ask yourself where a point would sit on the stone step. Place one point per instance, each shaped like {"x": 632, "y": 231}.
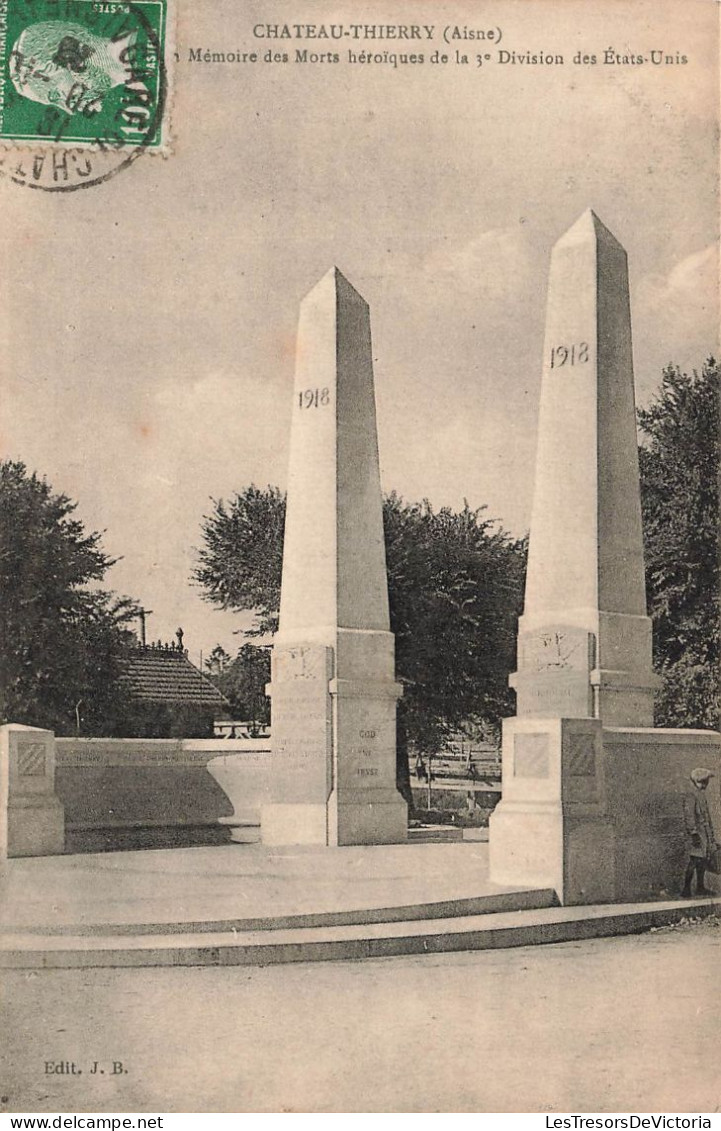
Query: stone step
{"x": 351, "y": 942}
{"x": 445, "y": 909}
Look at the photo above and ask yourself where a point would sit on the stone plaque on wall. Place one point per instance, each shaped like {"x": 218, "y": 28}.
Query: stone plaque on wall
{"x": 30, "y": 758}
{"x": 581, "y": 755}
{"x": 530, "y": 756}
{"x": 580, "y": 782}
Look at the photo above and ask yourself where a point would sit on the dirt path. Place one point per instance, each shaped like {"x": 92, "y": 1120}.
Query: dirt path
{"x": 626, "y": 1024}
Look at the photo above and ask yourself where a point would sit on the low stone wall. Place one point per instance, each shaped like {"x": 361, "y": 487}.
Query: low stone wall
{"x": 647, "y": 774}
{"x": 119, "y": 783}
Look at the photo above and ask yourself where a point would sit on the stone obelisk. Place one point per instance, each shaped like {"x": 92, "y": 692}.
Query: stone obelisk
{"x": 333, "y": 689}
{"x": 584, "y": 640}
{"x": 584, "y": 643}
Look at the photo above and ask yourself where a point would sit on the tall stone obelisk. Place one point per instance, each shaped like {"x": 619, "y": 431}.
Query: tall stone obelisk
{"x": 333, "y": 689}
{"x": 584, "y": 640}
{"x": 584, "y": 643}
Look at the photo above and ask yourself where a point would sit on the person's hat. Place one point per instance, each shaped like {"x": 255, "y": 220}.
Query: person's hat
{"x": 700, "y": 775}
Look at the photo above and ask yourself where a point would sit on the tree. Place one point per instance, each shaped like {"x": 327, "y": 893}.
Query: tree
{"x": 217, "y": 662}
{"x": 679, "y": 463}
{"x": 240, "y": 563}
{"x": 455, "y": 588}
{"x": 61, "y": 637}
{"x": 242, "y": 680}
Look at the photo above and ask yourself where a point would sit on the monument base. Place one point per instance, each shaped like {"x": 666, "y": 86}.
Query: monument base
{"x": 288, "y": 823}
{"x": 32, "y": 819}
{"x": 596, "y": 812}
{"x": 379, "y": 821}
{"x": 333, "y": 760}
{"x": 552, "y": 828}
{"x": 535, "y": 845}
{"x": 36, "y": 827}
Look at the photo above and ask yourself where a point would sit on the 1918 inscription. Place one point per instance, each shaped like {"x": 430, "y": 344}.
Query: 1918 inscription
{"x": 574, "y": 354}
{"x": 314, "y": 398}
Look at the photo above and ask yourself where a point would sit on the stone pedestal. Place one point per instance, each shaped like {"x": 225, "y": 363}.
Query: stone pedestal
{"x": 333, "y": 689}
{"x": 552, "y": 828}
{"x": 301, "y": 765}
{"x": 364, "y": 806}
{"x": 32, "y": 819}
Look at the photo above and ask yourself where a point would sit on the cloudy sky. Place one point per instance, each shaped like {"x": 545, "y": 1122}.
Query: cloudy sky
{"x": 148, "y": 324}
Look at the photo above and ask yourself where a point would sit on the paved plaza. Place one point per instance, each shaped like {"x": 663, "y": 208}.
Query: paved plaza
{"x": 236, "y": 882}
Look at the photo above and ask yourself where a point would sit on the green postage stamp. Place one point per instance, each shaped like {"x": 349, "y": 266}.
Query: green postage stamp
{"x": 83, "y": 73}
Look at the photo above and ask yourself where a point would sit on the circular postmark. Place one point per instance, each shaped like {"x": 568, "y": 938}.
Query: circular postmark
{"x": 84, "y": 89}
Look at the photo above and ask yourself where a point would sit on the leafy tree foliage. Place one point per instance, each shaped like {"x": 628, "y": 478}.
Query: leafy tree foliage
{"x": 455, "y": 588}
{"x": 240, "y": 563}
{"x": 242, "y": 680}
{"x": 679, "y": 461}
{"x": 217, "y": 662}
{"x": 61, "y": 637}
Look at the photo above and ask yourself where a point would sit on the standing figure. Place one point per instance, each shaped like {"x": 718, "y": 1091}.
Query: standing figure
{"x": 701, "y": 839}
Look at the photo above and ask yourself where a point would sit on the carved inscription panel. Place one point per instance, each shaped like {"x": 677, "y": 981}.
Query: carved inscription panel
{"x": 366, "y": 757}
{"x": 301, "y": 725}
{"x": 550, "y": 694}
{"x": 309, "y": 662}
{"x": 556, "y": 649}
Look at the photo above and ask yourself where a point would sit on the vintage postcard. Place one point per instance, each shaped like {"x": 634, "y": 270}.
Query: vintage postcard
{"x": 328, "y": 334}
